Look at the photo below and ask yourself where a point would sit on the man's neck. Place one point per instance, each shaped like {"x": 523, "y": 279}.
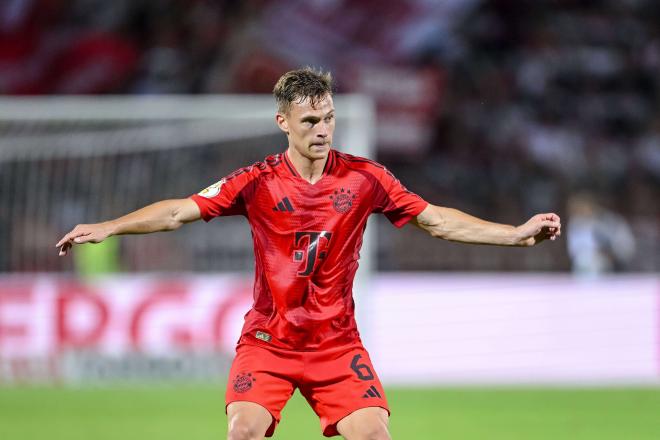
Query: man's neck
{"x": 310, "y": 170}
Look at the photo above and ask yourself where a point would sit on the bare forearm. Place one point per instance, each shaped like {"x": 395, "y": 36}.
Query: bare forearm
{"x": 454, "y": 225}
{"x": 160, "y": 216}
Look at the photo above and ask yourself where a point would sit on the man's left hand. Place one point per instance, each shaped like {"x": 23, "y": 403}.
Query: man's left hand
{"x": 538, "y": 228}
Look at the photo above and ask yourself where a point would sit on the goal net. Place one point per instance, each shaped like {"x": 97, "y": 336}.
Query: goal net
{"x": 65, "y": 161}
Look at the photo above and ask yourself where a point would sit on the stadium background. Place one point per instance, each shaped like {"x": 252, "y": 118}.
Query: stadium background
{"x": 499, "y": 108}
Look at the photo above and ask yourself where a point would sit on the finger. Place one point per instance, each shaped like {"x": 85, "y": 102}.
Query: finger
{"x": 551, "y": 216}
{"x": 65, "y": 247}
{"x": 66, "y": 238}
{"x": 552, "y": 235}
{"x": 550, "y": 224}
{"x": 62, "y": 241}
{"x": 84, "y": 238}
{"x": 71, "y": 236}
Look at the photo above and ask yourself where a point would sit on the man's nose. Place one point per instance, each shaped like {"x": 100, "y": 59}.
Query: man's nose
{"x": 323, "y": 131}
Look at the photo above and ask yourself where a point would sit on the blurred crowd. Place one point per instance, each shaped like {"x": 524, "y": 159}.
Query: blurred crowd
{"x": 552, "y": 100}
{"x": 502, "y": 108}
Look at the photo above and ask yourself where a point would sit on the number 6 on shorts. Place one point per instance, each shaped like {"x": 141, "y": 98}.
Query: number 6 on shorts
{"x": 362, "y": 370}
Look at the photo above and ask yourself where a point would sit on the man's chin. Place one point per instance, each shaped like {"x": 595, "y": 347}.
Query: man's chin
{"x": 319, "y": 151}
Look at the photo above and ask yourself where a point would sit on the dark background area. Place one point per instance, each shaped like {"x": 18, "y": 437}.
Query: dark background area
{"x": 500, "y": 108}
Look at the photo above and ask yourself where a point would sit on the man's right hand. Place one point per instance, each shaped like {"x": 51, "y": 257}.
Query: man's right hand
{"x": 94, "y": 233}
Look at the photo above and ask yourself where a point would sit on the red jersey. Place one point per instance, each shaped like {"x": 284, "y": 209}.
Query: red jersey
{"x": 307, "y": 239}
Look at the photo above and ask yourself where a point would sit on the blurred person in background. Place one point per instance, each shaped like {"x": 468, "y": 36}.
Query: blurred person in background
{"x": 598, "y": 240}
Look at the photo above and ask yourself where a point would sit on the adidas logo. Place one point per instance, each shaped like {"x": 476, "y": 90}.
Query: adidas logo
{"x": 283, "y": 206}
{"x": 371, "y": 392}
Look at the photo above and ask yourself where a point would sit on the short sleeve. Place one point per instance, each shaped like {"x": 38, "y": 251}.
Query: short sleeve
{"x": 224, "y": 197}
{"x": 395, "y": 201}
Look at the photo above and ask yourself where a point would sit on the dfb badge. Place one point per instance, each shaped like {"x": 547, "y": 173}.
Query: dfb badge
{"x": 213, "y": 190}
{"x": 243, "y": 382}
{"x": 342, "y": 200}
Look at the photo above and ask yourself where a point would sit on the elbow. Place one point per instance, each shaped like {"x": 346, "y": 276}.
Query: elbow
{"x": 169, "y": 223}
{"x": 438, "y": 233}
{"x": 433, "y": 222}
{"x": 172, "y": 227}
{"x": 182, "y": 211}
{"x": 173, "y": 224}
{"x": 438, "y": 225}
{"x": 439, "y": 230}
{"x": 175, "y": 220}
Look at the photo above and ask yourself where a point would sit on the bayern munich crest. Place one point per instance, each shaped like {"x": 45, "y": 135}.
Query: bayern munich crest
{"x": 342, "y": 200}
{"x": 243, "y": 382}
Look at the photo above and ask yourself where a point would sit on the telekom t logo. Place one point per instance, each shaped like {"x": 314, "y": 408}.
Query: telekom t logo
{"x": 314, "y": 246}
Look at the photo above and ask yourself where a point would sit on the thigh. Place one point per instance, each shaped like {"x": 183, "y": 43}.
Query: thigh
{"x": 261, "y": 377}
{"x": 336, "y": 384}
{"x": 365, "y": 423}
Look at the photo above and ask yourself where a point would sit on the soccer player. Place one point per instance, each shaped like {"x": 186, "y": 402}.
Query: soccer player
{"x": 307, "y": 208}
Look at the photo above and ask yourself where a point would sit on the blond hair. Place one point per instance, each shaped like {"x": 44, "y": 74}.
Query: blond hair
{"x": 300, "y": 85}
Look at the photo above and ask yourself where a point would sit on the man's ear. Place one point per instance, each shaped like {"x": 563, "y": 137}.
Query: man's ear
{"x": 282, "y": 122}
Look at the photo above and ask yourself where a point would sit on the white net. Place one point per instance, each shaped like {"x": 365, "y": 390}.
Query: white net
{"x": 65, "y": 161}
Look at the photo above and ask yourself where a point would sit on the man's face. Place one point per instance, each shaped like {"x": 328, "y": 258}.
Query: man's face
{"x": 308, "y": 128}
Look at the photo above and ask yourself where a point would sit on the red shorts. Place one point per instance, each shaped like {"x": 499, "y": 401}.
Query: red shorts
{"x": 335, "y": 382}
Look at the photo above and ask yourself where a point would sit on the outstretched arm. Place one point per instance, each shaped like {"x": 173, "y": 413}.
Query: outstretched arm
{"x": 454, "y": 225}
{"x": 165, "y": 215}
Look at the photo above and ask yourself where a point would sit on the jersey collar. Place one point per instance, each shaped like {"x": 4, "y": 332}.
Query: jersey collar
{"x": 327, "y": 168}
